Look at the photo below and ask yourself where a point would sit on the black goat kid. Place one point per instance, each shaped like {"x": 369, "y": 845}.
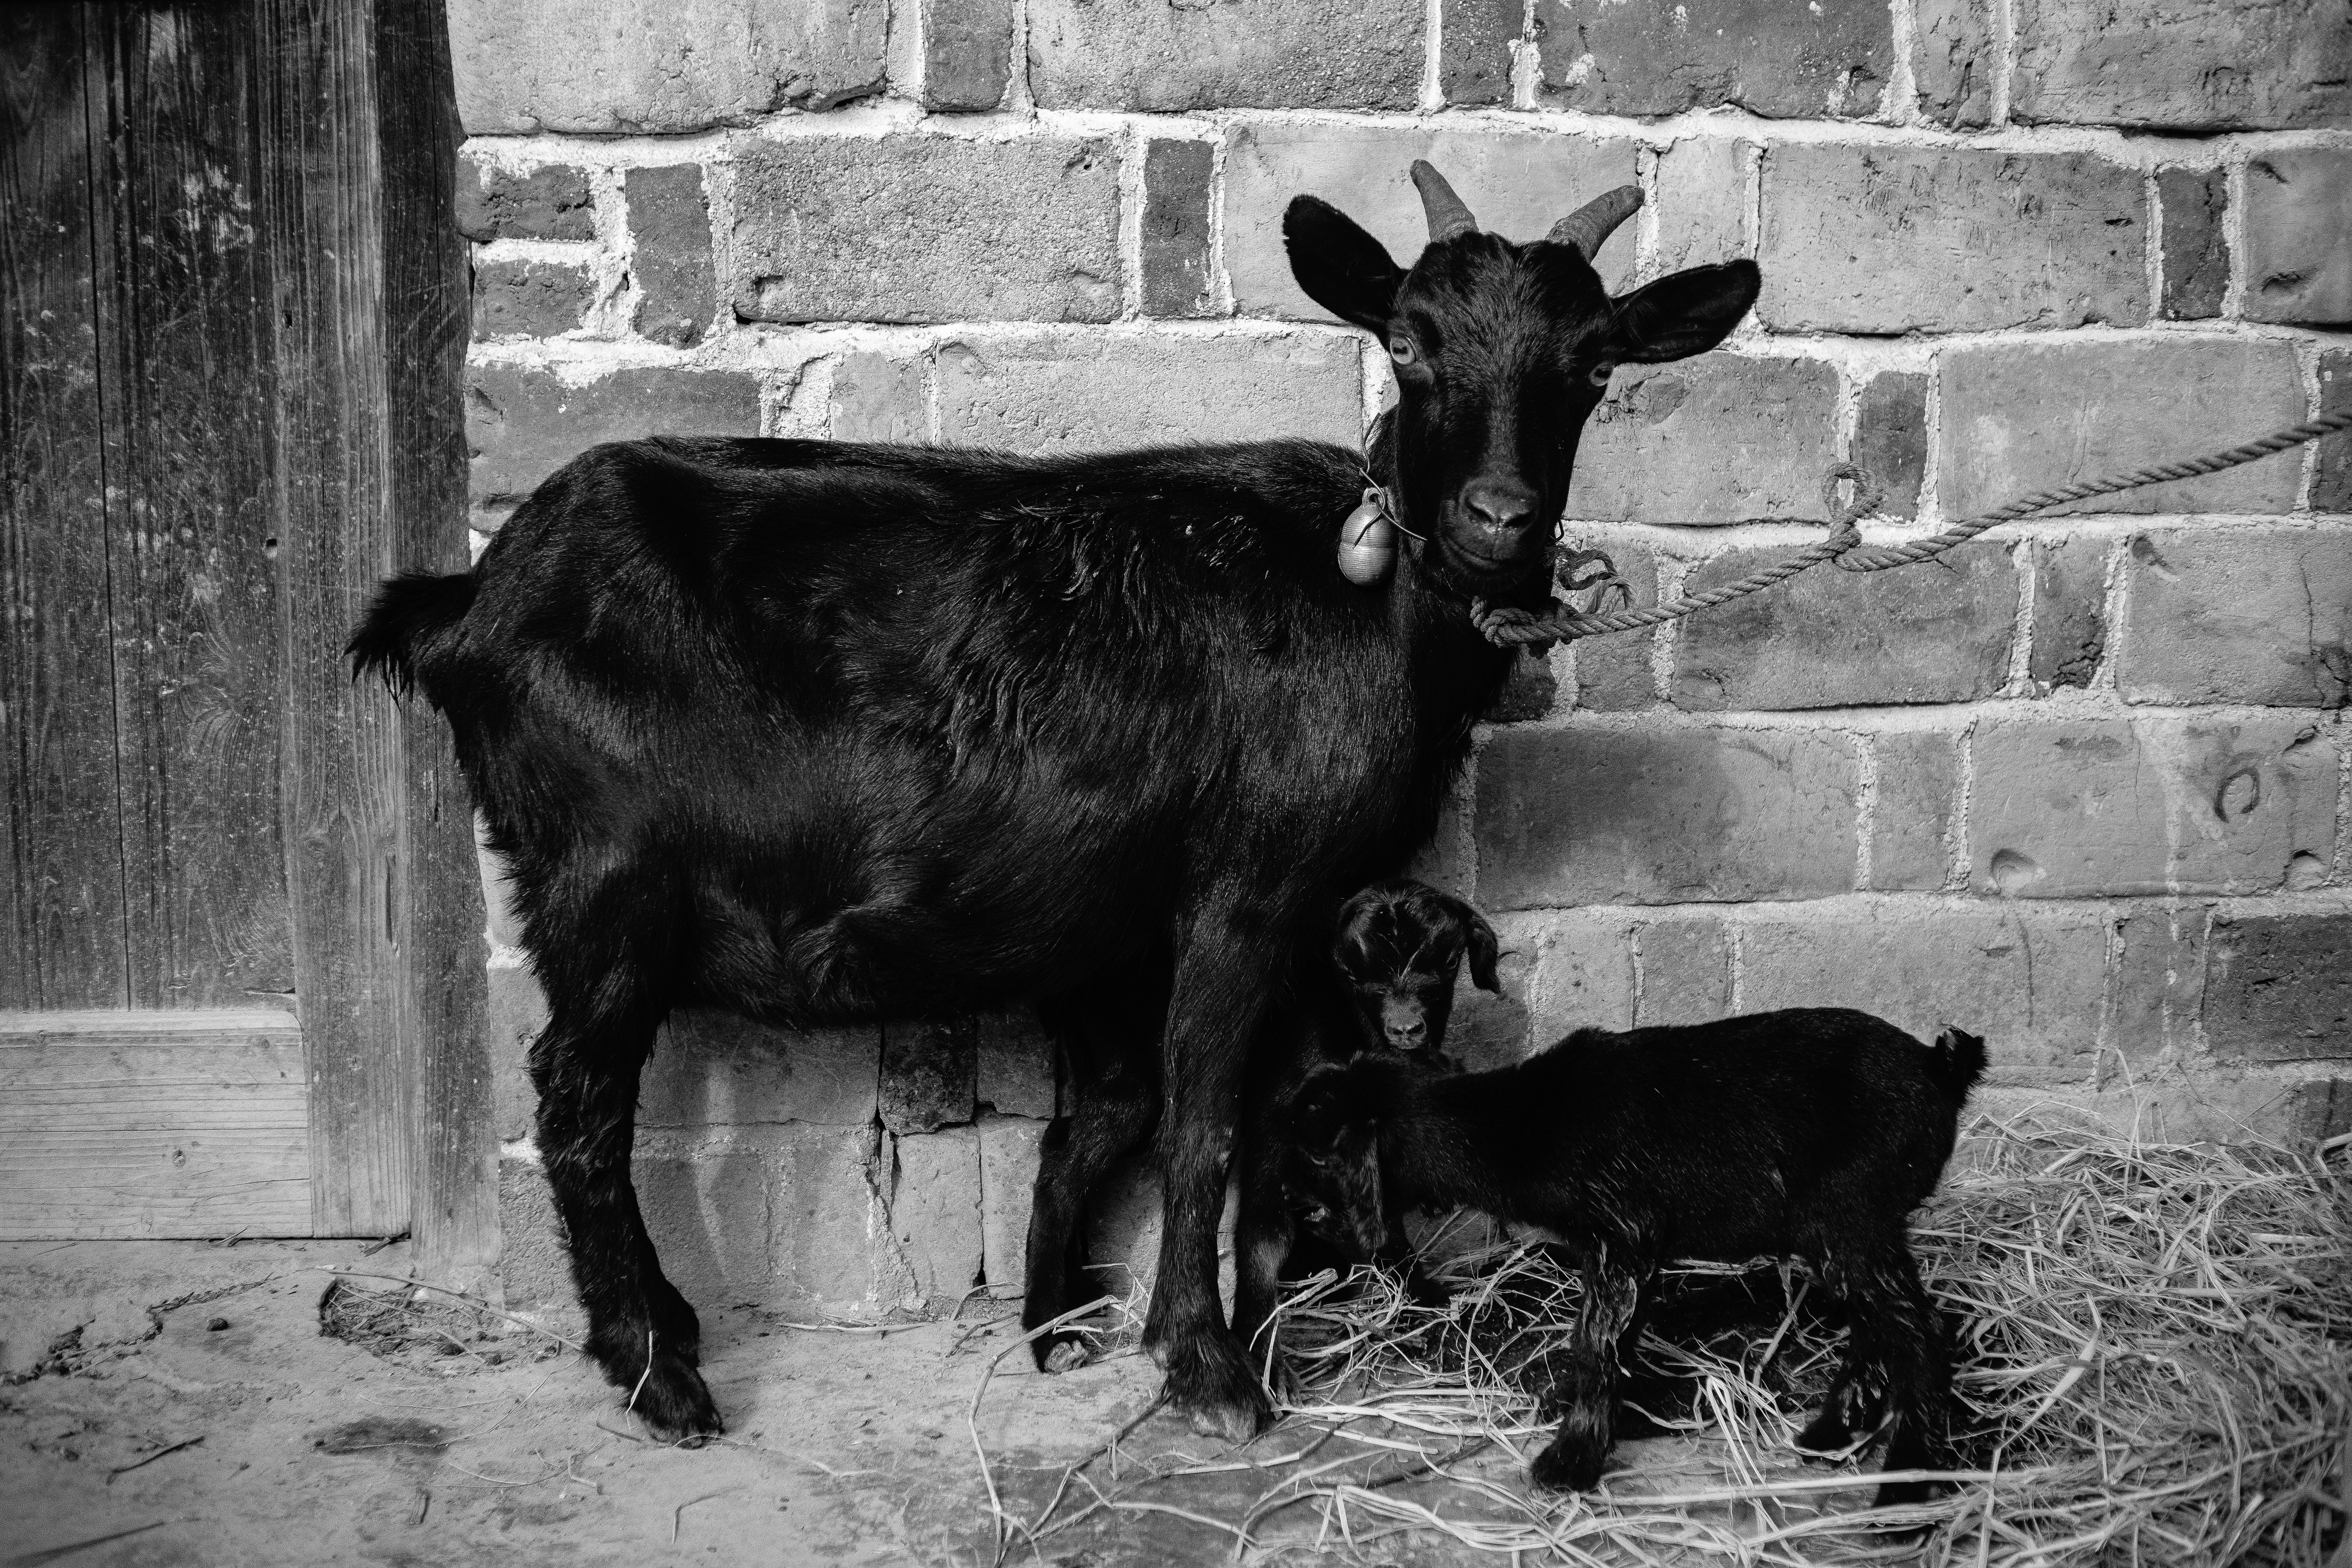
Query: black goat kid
{"x": 1400, "y": 947}
{"x": 1812, "y": 1132}
{"x": 823, "y": 732}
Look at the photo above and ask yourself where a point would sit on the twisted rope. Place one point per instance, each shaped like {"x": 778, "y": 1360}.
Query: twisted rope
{"x": 1509, "y": 628}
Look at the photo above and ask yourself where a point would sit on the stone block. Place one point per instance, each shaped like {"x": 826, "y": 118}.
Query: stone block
{"x": 2238, "y": 616}
{"x": 2298, "y": 252}
{"x": 1827, "y": 638}
{"x": 523, "y": 423}
{"x": 2081, "y": 806}
{"x": 1580, "y": 973}
{"x": 534, "y": 1261}
{"x": 1912, "y": 812}
{"x": 2205, "y": 1107}
{"x": 659, "y": 65}
{"x": 1176, "y": 195}
{"x": 2279, "y": 988}
{"x": 1701, "y": 202}
{"x": 2029, "y": 981}
{"x": 2185, "y": 64}
{"x": 825, "y": 1216}
{"x": 669, "y": 254}
{"x": 706, "y": 1206}
{"x": 2196, "y": 248}
{"x": 551, "y": 202}
{"x": 1149, "y": 56}
{"x": 1120, "y": 390}
{"x": 2157, "y": 993}
{"x": 1586, "y": 815}
{"x": 1015, "y": 1065}
{"x": 1686, "y": 971}
{"x": 711, "y": 1068}
{"x": 1890, "y": 437}
{"x": 935, "y": 1214}
{"x": 2331, "y": 474}
{"x": 1529, "y": 691}
{"x": 1662, "y": 57}
{"x": 1613, "y": 672}
{"x": 1009, "y": 1147}
{"x": 930, "y": 1073}
{"x": 515, "y": 1013}
{"x": 528, "y": 299}
{"x": 1875, "y": 238}
{"x": 1724, "y": 438}
{"x": 878, "y": 397}
{"x": 1518, "y": 184}
{"x": 967, "y": 54}
{"x": 909, "y": 227}
{"x": 2070, "y": 611}
{"x": 1474, "y": 64}
{"x": 1488, "y": 1030}
{"x": 1954, "y": 44}
{"x": 2023, "y": 417}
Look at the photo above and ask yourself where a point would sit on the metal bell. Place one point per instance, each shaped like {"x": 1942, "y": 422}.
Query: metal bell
{"x": 1368, "y": 541}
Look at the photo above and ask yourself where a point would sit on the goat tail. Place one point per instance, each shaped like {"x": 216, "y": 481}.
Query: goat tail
{"x": 403, "y": 634}
{"x": 1957, "y": 1061}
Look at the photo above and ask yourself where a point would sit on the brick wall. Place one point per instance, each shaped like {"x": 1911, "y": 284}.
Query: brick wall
{"x": 2085, "y": 787}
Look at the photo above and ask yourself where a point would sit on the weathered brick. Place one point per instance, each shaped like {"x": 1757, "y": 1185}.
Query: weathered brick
{"x": 967, "y": 53}
{"x": 1474, "y": 49}
{"x": 659, "y": 65}
{"x": 1918, "y": 788}
{"x": 2029, "y": 982}
{"x": 878, "y": 397}
{"x": 1593, "y": 815}
{"x": 2279, "y": 988}
{"x": 1686, "y": 971}
{"x": 1613, "y": 672}
{"x": 1176, "y": 179}
{"x": 720, "y": 1070}
{"x": 1145, "y": 55}
{"x": 1724, "y": 438}
{"x": 1518, "y": 184}
{"x": 2113, "y": 805}
{"x": 1827, "y": 638}
{"x": 1561, "y": 970}
{"x": 535, "y": 1267}
{"x": 2070, "y": 611}
{"x": 2019, "y": 417}
{"x": 2201, "y": 64}
{"x": 551, "y": 202}
{"x": 1488, "y": 1030}
{"x": 1059, "y": 394}
{"x": 2195, "y": 250}
{"x": 528, "y": 299}
{"x": 2206, "y": 1107}
{"x": 823, "y": 1221}
{"x": 1660, "y": 56}
{"x": 2298, "y": 256}
{"x": 1009, "y": 1148}
{"x": 515, "y": 1013}
{"x": 523, "y": 423}
{"x": 935, "y": 1213}
{"x": 1953, "y": 46}
{"x": 1016, "y": 1070}
{"x": 930, "y": 1073}
{"x": 2318, "y": 1109}
{"x": 1701, "y": 202}
{"x": 670, "y": 253}
{"x": 1530, "y": 690}
{"x": 2241, "y": 617}
{"x": 2156, "y": 992}
{"x": 2331, "y": 477}
{"x": 1893, "y": 239}
{"x": 706, "y": 1206}
{"x": 926, "y": 228}
{"x": 1890, "y": 437}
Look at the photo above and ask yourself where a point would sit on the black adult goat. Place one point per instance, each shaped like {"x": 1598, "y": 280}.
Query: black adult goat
{"x": 819, "y": 733}
{"x": 1814, "y": 1132}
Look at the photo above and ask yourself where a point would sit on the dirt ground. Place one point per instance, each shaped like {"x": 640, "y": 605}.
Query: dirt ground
{"x": 192, "y": 1411}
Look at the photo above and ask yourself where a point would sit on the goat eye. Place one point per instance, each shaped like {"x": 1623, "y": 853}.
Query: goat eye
{"x": 1599, "y": 374}
{"x": 1402, "y": 350}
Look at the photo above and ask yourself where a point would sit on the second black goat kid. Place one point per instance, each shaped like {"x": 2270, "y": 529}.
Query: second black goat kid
{"x": 1812, "y": 1132}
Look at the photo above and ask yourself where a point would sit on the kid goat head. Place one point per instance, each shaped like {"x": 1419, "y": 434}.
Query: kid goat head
{"x": 1501, "y": 350}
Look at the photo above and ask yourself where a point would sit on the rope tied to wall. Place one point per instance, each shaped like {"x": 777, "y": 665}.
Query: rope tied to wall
{"x": 1509, "y": 628}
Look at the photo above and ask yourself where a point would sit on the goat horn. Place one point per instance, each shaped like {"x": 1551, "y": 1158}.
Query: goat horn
{"x": 1447, "y": 215}
{"x": 1596, "y": 220}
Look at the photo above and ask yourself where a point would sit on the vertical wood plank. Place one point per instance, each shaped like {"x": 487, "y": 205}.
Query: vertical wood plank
{"x": 455, "y": 1214}
{"x": 188, "y": 377}
{"x": 63, "y": 889}
{"x": 345, "y": 780}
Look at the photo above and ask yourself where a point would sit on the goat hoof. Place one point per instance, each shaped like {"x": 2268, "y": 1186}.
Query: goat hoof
{"x": 673, "y": 1399}
{"x": 1569, "y": 1466}
{"x": 1212, "y": 1383}
{"x": 1063, "y": 1353}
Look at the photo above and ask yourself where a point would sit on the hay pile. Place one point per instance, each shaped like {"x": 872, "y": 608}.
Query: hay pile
{"x": 2154, "y": 1366}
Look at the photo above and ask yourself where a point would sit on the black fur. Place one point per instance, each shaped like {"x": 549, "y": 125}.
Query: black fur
{"x": 1400, "y": 947}
{"x": 1812, "y": 1132}
{"x": 820, "y": 732}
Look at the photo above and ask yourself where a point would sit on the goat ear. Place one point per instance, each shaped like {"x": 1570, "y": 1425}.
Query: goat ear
{"x": 1485, "y": 951}
{"x": 1683, "y": 313}
{"x": 1342, "y": 269}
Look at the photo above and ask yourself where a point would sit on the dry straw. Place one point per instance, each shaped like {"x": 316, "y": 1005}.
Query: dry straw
{"x": 2154, "y": 1367}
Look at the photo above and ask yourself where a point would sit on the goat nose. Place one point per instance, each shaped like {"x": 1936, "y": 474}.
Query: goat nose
{"x": 1498, "y": 504}
{"x": 1410, "y": 1034}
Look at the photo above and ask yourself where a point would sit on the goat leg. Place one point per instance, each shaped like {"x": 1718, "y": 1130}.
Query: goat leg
{"x": 1584, "y": 1397}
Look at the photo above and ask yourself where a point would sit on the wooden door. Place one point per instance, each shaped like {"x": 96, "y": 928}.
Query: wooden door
{"x": 239, "y": 967}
